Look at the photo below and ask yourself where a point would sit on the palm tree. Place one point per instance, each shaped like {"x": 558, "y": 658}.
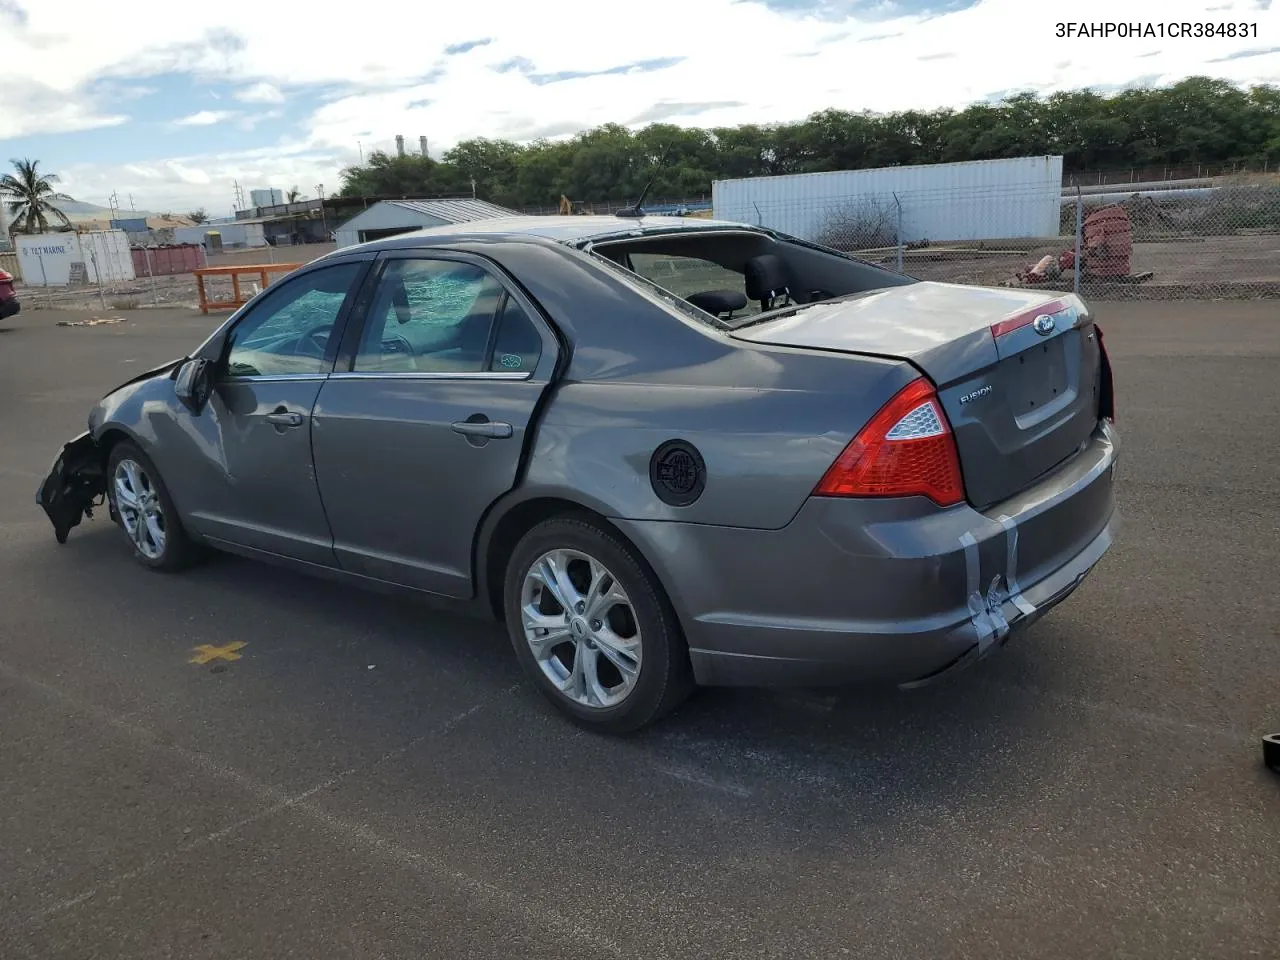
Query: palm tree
{"x": 293, "y": 196}
{"x": 30, "y": 196}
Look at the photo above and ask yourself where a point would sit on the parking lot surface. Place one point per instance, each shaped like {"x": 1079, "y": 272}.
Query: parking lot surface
{"x": 373, "y": 779}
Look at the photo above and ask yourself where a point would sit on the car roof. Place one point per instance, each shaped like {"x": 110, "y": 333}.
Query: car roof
{"x": 562, "y": 229}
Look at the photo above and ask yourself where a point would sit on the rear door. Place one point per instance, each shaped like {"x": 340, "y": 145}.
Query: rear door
{"x": 422, "y": 425}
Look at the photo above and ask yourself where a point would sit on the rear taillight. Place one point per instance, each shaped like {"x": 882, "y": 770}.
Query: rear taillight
{"x": 907, "y": 449}
{"x": 6, "y": 276}
{"x": 1107, "y": 392}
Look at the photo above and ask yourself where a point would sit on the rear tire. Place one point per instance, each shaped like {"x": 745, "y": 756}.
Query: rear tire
{"x": 144, "y": 511}
{"x": 593, "y": 628}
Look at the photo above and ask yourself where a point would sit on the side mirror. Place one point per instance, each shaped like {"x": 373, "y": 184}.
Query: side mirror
{"x": 193, "y": 384}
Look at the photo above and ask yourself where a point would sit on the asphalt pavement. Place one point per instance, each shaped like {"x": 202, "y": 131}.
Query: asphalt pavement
{"x": 373, "y": 779}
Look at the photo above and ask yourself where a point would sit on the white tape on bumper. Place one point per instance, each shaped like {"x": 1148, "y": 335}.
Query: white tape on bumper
{"x": 1011, "y": 560}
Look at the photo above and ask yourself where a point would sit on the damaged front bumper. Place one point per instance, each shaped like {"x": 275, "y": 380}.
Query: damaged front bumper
{"x": 75, "y": 485}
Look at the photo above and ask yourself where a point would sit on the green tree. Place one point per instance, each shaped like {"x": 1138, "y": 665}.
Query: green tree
{"x": 198, "y": 216}
{"x": 1199, "y": 120}
{"x": 493, "y": 166}
{"x": 31, "y": 198}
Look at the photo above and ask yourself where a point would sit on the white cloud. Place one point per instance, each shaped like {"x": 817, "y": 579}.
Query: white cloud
{"x": 252, "y": 120}
{"x": 260, "y": 93}
{"x": 742, "y": 63}
{"x": 205, "y": 118}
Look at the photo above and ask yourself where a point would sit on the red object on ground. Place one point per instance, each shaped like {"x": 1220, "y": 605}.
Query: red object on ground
{"x": 1107, "y": 248}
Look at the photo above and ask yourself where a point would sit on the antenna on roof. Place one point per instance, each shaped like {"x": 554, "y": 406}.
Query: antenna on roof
{"x": 635, "y": 210}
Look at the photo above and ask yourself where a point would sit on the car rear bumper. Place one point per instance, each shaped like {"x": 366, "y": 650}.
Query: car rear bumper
{"x": 891, "y": 591}
{"x": 9, "y": 308}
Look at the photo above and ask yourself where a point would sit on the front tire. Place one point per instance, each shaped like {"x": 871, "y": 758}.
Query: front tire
{"x": 592, "y": 627}
{"x": 144, "y": 511}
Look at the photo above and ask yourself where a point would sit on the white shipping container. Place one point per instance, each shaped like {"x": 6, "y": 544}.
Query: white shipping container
{"x": 107, "y": 256}
{"x": 940, "y": 202}
{"x": 46, "y": 259}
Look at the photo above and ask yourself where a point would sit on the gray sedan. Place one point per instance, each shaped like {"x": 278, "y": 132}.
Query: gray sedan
{"x": 664, "y": 451}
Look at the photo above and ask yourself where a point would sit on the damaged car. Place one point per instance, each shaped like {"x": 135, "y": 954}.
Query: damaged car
{"x": 662, "y": 451}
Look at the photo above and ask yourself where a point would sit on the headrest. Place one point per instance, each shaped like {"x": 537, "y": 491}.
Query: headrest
{"x": 766, "y": 276}
{"x": 716, "y": 302}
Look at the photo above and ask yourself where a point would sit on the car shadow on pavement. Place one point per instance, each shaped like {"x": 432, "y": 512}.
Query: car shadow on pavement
{"x": 873, "y": 746}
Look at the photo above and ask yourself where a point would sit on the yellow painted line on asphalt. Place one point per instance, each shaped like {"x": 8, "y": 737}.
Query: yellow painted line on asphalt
{"x": 207, "y": 654}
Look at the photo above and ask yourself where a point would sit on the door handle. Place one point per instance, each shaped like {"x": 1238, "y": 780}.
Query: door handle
{"x": 490, "y": 429}
{"x": 283, "y": 418}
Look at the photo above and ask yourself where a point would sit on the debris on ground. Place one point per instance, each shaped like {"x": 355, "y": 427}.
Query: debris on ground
{"x": 94, "y": 322}
{"x": 1106, "y": 252}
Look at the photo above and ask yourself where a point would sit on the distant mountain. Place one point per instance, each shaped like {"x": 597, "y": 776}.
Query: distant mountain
{"x": 79, "y": 209}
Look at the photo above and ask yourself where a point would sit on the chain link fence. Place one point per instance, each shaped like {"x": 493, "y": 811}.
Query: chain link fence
{"x": 1217, "y": 241}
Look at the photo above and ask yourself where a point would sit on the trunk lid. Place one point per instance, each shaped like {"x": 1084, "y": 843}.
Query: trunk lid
{"x": 1021, "y": 400}
{"x": 6, "y": 285}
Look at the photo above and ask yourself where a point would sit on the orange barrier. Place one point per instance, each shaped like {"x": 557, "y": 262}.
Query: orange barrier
{"x": 237, "y": 297}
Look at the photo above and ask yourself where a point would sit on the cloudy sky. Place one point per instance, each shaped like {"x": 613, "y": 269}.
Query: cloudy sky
{"x": 134, "y": 97}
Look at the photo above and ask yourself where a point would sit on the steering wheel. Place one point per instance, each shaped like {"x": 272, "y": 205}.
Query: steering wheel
{"x": 317, "y": 338}
{"x": 396, "y": 344}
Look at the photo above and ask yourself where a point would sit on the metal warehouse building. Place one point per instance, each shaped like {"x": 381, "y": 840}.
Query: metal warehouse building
{"x": 389, "y": 217}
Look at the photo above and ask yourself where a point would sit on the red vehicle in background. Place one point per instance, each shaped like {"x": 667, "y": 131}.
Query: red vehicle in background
{"x": 9, "y": 304}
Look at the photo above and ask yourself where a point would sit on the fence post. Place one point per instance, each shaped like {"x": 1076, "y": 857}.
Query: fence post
{"x": 155, "y": 300}
{"x": 102, "y": 297}
{"x": 1079, "y": 232}
{"x": 44, "y": 281}
{"x": 897, "y": 234}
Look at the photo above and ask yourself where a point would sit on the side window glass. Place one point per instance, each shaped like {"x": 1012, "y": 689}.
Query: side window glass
{"x": 518, "y": 345}
{"x": 288, "y": 329}
{"x": 429, "y": 316}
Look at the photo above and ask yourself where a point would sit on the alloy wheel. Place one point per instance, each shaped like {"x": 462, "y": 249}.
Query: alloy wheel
{"x": 139, "y": 507}
{"x": 581, "y": 627}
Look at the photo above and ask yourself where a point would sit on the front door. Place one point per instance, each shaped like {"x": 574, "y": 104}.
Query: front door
{"x": 259, "y": 488}
{"x": 423, "y": 423}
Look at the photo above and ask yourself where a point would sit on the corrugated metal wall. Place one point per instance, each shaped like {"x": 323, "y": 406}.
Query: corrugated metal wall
{"x": 978, "y": 200}
{"x": 168, "y": 260}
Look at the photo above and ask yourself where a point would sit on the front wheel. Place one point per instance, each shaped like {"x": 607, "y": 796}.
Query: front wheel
{"x": 141, "y": 505}
{"x": 593, "y": 628}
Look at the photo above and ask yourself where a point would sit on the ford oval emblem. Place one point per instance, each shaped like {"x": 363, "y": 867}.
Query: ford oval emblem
{"x": 1044, "y": 324}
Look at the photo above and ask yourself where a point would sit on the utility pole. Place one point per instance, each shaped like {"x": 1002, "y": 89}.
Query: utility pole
{"x": 324, "y": 221}
{"x": 239, "y": 194}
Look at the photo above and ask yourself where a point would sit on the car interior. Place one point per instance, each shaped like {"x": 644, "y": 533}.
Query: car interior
{"x": 738, "y": 275}
{"x": 458, "y": 327}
